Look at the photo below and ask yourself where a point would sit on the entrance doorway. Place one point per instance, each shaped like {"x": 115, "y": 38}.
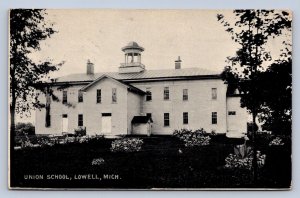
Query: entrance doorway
{"x": 106, "y": 123}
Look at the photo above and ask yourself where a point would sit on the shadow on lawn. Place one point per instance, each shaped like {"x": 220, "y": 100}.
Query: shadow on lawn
{"x": 163, "y": 162}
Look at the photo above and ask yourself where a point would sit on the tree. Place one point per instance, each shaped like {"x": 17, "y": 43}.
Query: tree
{"x": 276, "y": 86}
{"x": 252, "y": 30}
{"x": 27, "y": 29}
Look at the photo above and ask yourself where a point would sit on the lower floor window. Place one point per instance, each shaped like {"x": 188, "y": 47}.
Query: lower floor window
{"x": 214, "y": 117}
{"x": 80, "y": 120}
{"x": 185, "y": 118}
{"x": 231, "y": 113}
{"x": 166, "y": 119}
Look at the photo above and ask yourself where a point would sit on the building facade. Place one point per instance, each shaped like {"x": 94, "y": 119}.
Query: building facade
{"x": 107, "y": 103}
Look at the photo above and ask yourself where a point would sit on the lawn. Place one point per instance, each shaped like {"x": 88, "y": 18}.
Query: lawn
{"x": 163, "y": 162}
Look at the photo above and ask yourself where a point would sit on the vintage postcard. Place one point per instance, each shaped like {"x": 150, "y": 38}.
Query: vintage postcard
{"x": 111, "y": 99}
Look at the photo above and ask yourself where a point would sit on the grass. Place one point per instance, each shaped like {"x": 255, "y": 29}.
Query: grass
{"x": 160, "y": 164}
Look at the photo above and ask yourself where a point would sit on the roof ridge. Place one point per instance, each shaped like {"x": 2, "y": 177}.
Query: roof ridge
{"x": 147, "y": 74}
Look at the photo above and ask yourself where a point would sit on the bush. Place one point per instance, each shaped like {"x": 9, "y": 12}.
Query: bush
{"x": 191, "y": 138}
{"x": 276, "y": 142}
{"x": 98, "y": 161}
{"x": 126, "y": 145}
{"x": 24, "y": 128}
{"x": 80, "y": 131}
{"x": 235, "y": 161}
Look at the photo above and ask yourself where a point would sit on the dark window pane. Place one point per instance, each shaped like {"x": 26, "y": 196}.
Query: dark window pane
{"x": 166, "y": 93}
{"x": 65, "y": 97}
{"x": 148, "y": 94}
{"x": 185, "y": 95}
{"x": 80, "y": 120}
{"x": 80, "y": 96}
{"x": 185, "y": 118}
{"x": 98, "y": 96}
{"x": 166, "y": 119}
{"x": 214, "y": 118}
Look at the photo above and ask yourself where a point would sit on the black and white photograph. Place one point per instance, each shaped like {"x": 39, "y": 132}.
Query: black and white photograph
{"x": 150, "y": 99}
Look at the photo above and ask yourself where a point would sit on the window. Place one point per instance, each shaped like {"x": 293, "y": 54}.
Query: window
{"x": 149, "y": 115}
{"x": 231, "y": 113}
{"x": 80, "y": 120}
{"x": 148, "y": 94}
{"x": 114, "y": 95}
{"x": 98, "y": 99}
{"x": 166, "y": 93}
{"x": 185, "y": 95}
{"x": 185, "y": 117}
{"x": 65, "y": 97}
{"x": 166, "y": 119}
{"x": 65, "y": 115}
{"x": 80, "y": 96}
{"x": 214, "y": 117}
{"x": 214, "y": 93}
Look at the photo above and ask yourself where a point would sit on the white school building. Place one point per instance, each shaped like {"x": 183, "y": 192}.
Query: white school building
{"x": 135, "y": 100}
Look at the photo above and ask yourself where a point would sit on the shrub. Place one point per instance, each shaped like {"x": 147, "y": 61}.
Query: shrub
{"x": 80, "y": 131}
{"x": 24, "y": 128}
{"x": 235, "y": 161}
{"x": 98, "y": 161}
{"x": 44, "y": 141}
{"x": 191, "y": 138}
{"x": 276, "y": 142}
{"x": 126, "y": 145}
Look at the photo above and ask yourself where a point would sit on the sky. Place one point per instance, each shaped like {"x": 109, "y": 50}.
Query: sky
{"x": 194, "y": 35}
{"x": 98, "y": 35}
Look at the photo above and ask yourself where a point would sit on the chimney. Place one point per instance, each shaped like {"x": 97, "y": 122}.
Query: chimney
{"x": 90, "y": 68}
{"x": 178, "y": 63}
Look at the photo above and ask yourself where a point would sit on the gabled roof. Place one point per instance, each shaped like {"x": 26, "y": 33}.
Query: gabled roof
{"x": 145, "y": 75}
{"x": 130, "y": 87}
{"x": 141, "y": 119}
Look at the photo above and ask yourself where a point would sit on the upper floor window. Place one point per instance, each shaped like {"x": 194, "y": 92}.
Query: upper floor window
{"x": 185, "y": 117}
{"x": 166, "y": 119}
{"x": 231, "y": 113}
{"x": 80, "y": 96}
{"x": 185, "y": 95}
{"x": 98, "y": 98}
{"x": 166, "y": 93}
{"x": 148, "y": 94}
{"x": 80, "y": 120}
{"x": 114, "y": 95}
{"x": 65, "y": 97}
{"x": 214, "y": 117}
{"x": 214, "y": 93}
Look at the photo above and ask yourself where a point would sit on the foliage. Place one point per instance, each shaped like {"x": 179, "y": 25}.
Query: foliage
{"x": 235, "y": 161}
{"x": 98, "y": 161}
{"x": 80, "y": 131}
{"x": 191, "y": 138}
{"x": 24, "y": 128}
{"x": 32, "y": 141}
{"x": 27, "y": 29}
{"x": 126, "y": 145}
{"x": 276, "y": 114}
{"x": 252, "y": 30}
{"x": 276, "y": 142}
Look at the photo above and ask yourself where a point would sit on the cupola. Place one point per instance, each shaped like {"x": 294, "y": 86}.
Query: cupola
{"x": 133, "y": 59}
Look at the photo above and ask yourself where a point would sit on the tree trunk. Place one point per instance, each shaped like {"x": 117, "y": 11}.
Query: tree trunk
{"x": 254, "y": 162}
{"x": 12, "y": 138}
{"x": 12, "y": 123}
